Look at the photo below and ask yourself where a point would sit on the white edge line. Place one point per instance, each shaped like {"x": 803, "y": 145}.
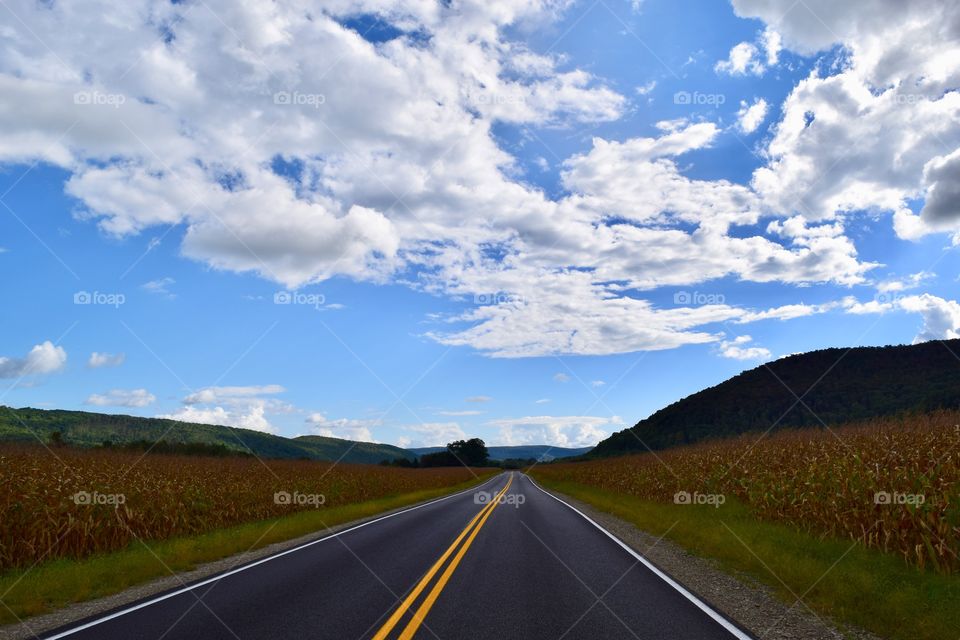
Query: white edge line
{"x": 703, "y": 606}
{"x": 221, "y": 576}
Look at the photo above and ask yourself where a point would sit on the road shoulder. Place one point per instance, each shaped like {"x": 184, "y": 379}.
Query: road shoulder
{"x": 752, "y": 605}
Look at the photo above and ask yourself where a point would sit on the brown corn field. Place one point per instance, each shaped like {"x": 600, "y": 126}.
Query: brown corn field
{"x": 78, "y": 502}
{"x": 891, "y": 484}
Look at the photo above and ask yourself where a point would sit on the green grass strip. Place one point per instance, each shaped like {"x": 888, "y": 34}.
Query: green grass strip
{"x": 62, "y": 582}
{"x": 836, "y": 578}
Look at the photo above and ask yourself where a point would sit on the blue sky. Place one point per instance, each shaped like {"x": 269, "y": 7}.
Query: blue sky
{"x": 534, "y": 222}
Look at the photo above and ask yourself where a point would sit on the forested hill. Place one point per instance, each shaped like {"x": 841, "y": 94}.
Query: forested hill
{"x": 86, "y": 429}
{"x": 847, "y": 384}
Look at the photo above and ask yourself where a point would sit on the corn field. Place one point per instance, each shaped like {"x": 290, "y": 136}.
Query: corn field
{"x": 80, "y": 502}
{"x": 890, "y": 484}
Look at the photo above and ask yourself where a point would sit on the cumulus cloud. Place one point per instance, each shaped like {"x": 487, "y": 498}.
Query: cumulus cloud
{"x": 561, "y": 377}
{"x": 251, "y": 417}
{"x": 877, "y": 130}
{"x": 233, "y": 406}
{"x": 559, "y": 431}
{"x": 737, "y": 349}
{"x": 98, "y": 360}
{"x": 42, "y": 358}
{"x": 753, "y": 58}
{"x": 940, "y": 317}
{"x": 751, "y": 116}
{"x": 744, "y": 58}
{"x": 432, "y": 434}
{"x": 122, "y": 398}
{"x": 344, "y": 428}
{"x": 218, "y": 139}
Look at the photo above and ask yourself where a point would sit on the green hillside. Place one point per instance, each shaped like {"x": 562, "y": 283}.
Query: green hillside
{"x": 847, "y": 385}
{"x": 85, "y": 429}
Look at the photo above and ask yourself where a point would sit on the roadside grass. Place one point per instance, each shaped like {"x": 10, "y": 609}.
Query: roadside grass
{"x": 52, "y": 585}
{"x": 839, "y": 579}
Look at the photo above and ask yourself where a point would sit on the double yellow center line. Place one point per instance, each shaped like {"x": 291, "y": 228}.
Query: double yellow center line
{"x": 470, "y": 533}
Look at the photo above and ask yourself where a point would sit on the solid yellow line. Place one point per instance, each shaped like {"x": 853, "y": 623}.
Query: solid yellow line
{"x": 426, "y": 605}
{"x": 408, "y": 601}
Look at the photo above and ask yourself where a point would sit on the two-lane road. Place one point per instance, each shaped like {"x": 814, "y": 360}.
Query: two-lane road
{"x": 515, "y": 563}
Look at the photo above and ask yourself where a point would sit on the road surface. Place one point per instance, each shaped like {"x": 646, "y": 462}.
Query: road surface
{"x": 503, "y": 561}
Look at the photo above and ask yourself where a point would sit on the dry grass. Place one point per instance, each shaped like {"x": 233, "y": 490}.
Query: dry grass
{"x": 168, "y": 496}
{"x": 823, "y": 482}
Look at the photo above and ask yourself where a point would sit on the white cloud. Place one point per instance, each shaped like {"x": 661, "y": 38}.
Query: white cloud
{"x": 212, "y": 395}
{"x": 42, "y": 358}
{"x": 344, "y": 428}
{"x": 737, "y": 349}
{"x": 561, "y": 377}
{"x": 479, "y": 399}
{"x": 467, "y": 412}
{"x": 98, "y": 360}
{"x": 645, "y": 89}
{"x": 744, "y": 58}
{"x": 233, "y": 406}
{"x": 941, "y": 318}
{"x": 876, "y": 130}
{"x": 250, "y": 417}
{"x": 753, "y": 58}
{"x": 906, "y": 283}
{"x": 560, "y": 431}
{"x": 122, "y": 398}
{"x": 542, "y": 401}
{"x": 160, "y": 287}
{"x": 597, "y": 383}
{"x": 433, "y": 434}
{"x": 751, "y": 116}
{"x": 196, "y": 152}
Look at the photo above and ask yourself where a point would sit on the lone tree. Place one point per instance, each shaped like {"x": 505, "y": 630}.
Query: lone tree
{"x": 472, "y": 453}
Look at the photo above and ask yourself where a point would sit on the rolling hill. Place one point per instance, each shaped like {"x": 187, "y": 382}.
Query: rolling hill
{"x": 520, "y": 452}
{"x": 844, "y": 385}
{"x": 82, "y": 428}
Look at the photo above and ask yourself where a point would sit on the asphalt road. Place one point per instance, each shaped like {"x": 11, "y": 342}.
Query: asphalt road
{"x": 525, "y": 565}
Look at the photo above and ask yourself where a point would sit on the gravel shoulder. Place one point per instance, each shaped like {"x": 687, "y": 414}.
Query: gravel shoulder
{"x": 752, "y": 605}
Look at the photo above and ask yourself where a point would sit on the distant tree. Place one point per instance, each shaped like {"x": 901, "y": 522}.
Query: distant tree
{"x": 472, "y": 453}
{"x": 438, "y": 459}
{"x": 56, "y": 439}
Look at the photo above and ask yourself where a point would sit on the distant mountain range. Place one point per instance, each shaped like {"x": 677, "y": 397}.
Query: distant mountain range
{"x": 82, "y": 428}
{"x": 86, "y": 429}
{"x": 540, "y": 452}
{"x": 844, "y": 385}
